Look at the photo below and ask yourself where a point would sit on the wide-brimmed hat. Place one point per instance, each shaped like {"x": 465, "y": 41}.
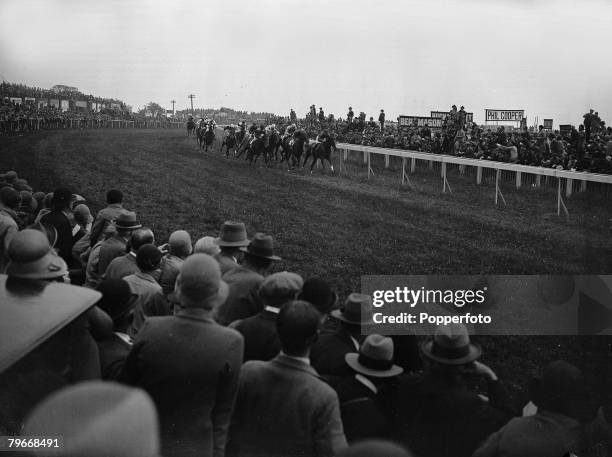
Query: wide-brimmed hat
{"x": 127, "y": 220}
{"x": 375, "y": 358}
{"x": 355, "y": 310}
{"x": 261, "y": 245}
{"x": 32, "y": 257}
{"x": 232, "y": 234}
{"x": 96, "y": 418}
{"x": 48, "y": 230}
{"x": 451, "y": 346}
{"x": 200, "y": 280}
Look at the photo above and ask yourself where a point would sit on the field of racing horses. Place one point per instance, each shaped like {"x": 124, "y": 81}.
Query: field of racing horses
{"x": 342, "y": 225}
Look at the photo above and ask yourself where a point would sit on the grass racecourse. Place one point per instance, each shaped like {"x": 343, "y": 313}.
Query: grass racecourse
{"x": 342, "y": 226}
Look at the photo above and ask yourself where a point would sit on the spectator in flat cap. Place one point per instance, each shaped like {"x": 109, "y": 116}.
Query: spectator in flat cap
{"x": 125, "y": 265}
{"x": 97, "y": 418}
{"x": 436, "y": 413}
{"x": 365, "y": 396}
{"x": 555, "y": 429}
{"x": 9, "y": 226}
{"x": 232, "y": 237}
{"x": 144, "y": 287}
{"x": 195, "y": 412}
{"x": 114, "y": 349}
{"x": 179, "y": 245}
{"x": 244, "y": 280}
{"x": 106, "y": 216}
{"x": 260, "y": 336}
{"x": 116, "y": 245}
{"x": 206, "y": 245}
{"x": 283, "y": 407}
{"x": 374, "y": 448}
{"x": 331, "y": 347}
{"x": 60, "y": 217}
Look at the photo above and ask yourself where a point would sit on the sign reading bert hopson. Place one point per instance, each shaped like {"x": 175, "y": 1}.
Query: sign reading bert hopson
{"x": 513, "y": 115}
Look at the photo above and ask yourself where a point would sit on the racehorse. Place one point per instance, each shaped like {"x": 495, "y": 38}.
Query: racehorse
{"x": 274, "y": 142}
{"x": 320, "y": 151}
{"x": 206, "y": 136}
{"x": 257, "y": 147}
{"x": 293, "y": 147}
{"x": 229, "y": 142}
{"x": 190, "y": 127}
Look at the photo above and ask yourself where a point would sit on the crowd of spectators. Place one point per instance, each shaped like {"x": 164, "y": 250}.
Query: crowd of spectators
{"x": 213, "y": 352}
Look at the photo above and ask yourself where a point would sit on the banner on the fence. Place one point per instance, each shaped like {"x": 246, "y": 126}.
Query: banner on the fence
{"x": 30, "y": 100}
{"x": 504, "y": 115}
{"x": 420, "y": 121}
{"x": 548, "y": 124}
{"x": 42, "y": 103}
{"x": 54, "y": 102}
{"x": 65, "y": 105}
{"x": 115, "y": 105}
{"x": 16, "y": 100}
{"x": 81, "y": 104}
{"x": 565, "y": 129}
{"x": 469, "y": 117}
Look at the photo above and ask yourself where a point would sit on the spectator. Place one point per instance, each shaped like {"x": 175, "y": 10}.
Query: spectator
{"x": 231, "y": 238}
{"x": 125, "y": 265}
{"x": 180, "y": 248}
{"x": 321, "y": 115}
{"x": 350, "y": 115}
{"x": 97, "y": 418}
{"x": 292, "y": 116}
{"x": 259, "y": 331}
{"x": 206, "y": 245}
{"x": 91, "y": 258}
{"x": 244, "y": 280}
{"x": 381, "y": 119}
{"x": 9, "y": 225}
{"x": 364, "y": 396}
{"x": 116, "y": 245}
{"x": 83, "y": 220}
{"x": 300, "y": 415}
{"x": 317, "y": 292}
{"x": 144, "y": 287}
{"x": 588, "y": 122}
{"x": 114, "y": 200}
{"x": 437, "y": 414}
{"x": 114, "y": 350}
{"x": 60, "y": 218}
{"x": 195, "y": 414}
{"x": 330, "y": 349}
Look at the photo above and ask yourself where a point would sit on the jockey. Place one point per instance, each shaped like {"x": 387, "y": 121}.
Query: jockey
{"x": 242, "y": 126}
{"x": 212, "y": 124}
{"x": 322, "y": 136}
{"x": 290, "y": 130}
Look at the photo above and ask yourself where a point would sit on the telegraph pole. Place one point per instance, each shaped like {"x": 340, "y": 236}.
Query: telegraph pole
{"x": 173, "y": 102}
{"x": 191, "y": 96}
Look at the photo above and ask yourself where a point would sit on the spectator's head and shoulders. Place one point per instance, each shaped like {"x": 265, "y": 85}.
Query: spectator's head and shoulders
{"x": 148, "y": 259}
{"x": 258, "y": 259}
{"x": 125, "y": 265}
{"x": 232, "y": 237}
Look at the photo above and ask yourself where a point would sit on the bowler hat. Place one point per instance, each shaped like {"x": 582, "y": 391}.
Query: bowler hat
{"x": 200, "y": 280}
{"x": 32, "y": 257}
{"x": 232, "y": 234}
{"x": 375, "y": 358}
{"x": 451, "y": 345}
{"x": 61, "y": 196}
{"x": 127, "y": 220}
{"x": 261, "y": 245}
{"x": 355, "y": 310}
{"x": 96, "y": 419}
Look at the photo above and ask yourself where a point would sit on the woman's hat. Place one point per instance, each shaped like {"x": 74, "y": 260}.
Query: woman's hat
{"x": 355, "y": 310}
{"x": 261, "y": 246}
{"x": 375, "y": 358}
{"x": 32, "y": 257}
{"x": 451, "y": 346}
{"x": 232, "y": 234}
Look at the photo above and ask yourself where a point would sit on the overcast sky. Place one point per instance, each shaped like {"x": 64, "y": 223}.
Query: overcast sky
{"x": 548, "y": 57}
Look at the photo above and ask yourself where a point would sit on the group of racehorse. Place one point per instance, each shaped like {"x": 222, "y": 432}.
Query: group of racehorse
{"x": 269, "y": 145}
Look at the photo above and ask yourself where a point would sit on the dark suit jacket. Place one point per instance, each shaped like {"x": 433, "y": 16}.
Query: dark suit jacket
{"x": 113, "y": 352}
{"x": 327, "y": 353}
{"x": 64, "y": 241}
{"x": 436, "y": 417}
{"x": 242, "y": 301}
{"x": 189, "y": 365}
{"x": 261, "y": 340}
{"x": 284, "y": 409}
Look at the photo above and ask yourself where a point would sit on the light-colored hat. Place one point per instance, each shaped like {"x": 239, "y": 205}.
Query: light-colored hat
{"x": 279, "y": 288}
{"x": 82, "y": 213}
{"x": 127, "y": 221}
{"x": 356, "y": 309}
{"x": 200, "y": 280}
{"x": 451, "y": 345}
{"x": 98, "y": 419}
{"x": 180, "y": 243}
{"x": 375, "y": 358}
{"x": 206, "y": 245}
{"x": 32, "y": 257}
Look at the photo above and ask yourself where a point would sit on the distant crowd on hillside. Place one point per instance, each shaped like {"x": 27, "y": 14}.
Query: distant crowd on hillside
{"x": 203, "y": 348}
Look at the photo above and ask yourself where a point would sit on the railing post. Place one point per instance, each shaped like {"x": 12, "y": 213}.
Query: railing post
{"x": 386, "y": 160}
{"x": 412, "y": 165}
{"x": 478, "y": 175}
{"x": 538, "y": 180}
{"x": 568, "y": 187}
{"x": 518, "y": 179}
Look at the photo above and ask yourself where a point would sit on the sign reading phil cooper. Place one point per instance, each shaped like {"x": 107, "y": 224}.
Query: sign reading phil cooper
{"x": 504, "y": 115}
{"x": 469, "y": 117}
{"x": 420, "y": 121}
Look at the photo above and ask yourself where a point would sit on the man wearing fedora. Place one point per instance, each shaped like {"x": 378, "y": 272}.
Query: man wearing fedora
{"x": 189, "y": 364}
{"x": 364, "y": 396}
{"x": 283, "y": 407}
{"x": 232, "y": 237}
{"x": 115, "y": 246}
{"x": 328, "y": 352}
{"x": 259, "y": 331}
{"x": 244, "y": 280}
{"x": 436, "y": 414}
